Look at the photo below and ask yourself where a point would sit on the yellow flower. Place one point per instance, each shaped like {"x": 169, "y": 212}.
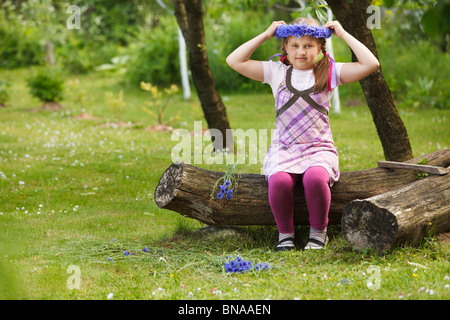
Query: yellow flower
{"x": 171, "y": 275}
{"x": 146, "y": 86}
{"x": 414, "y": 275}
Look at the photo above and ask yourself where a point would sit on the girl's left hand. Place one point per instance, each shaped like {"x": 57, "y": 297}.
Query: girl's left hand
{"x": 336, "y": 28}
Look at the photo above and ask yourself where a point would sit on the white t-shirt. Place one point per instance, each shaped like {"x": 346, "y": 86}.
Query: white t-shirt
{"x": 275, "y": 72}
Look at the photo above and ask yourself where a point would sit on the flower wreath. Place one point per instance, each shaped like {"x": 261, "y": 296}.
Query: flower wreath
{"x": 301, "y": 29}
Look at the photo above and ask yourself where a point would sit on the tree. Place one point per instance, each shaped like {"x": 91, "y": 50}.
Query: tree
{"x": 189, "y": 14}
{"x": 391, "y": 130}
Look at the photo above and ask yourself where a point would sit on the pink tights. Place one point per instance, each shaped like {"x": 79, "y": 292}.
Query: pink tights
{"x": 317, "y": 194}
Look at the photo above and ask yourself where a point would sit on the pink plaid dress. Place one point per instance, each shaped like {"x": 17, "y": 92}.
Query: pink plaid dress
{"x": 302, "y": 137}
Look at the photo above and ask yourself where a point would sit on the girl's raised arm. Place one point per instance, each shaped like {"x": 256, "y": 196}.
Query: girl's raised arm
{"x": 367, "y": 62}
{"x": 239, "y": 59}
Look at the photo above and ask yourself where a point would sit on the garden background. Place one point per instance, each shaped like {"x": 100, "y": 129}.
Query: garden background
{"x": 77, "y": 214}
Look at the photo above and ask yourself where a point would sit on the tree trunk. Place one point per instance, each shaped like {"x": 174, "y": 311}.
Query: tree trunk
{"x": 189, "y": 14}
{"x": 186, "y": 189}
{"x": 403, "y": 215}
{"x": 391, "y": 130}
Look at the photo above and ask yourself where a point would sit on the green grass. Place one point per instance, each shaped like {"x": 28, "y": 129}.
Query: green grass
{"x": 78, "y": 193}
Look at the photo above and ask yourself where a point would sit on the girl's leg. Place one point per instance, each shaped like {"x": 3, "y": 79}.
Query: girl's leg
{"x": 318, "y": 199}
{"x": 281, "y": 199}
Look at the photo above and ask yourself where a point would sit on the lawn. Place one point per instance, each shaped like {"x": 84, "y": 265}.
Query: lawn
{"x": 78, "y": 219}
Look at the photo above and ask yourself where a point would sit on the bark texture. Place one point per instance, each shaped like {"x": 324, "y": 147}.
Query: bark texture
{"x": 402, "y": 215}
{"x": 189, "y": 14}
{"x": 186, "y": 189}
{"x": 391, "y": 130}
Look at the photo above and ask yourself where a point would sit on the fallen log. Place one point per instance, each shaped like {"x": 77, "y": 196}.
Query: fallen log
{"x": 411, "y": 166}
{"x": 186, "y": 189}
{"x": 403, "y": 215}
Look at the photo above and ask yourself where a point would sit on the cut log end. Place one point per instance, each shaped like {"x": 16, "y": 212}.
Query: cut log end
{"x": 365, "y": 225}
{"x": 167, "y": 188}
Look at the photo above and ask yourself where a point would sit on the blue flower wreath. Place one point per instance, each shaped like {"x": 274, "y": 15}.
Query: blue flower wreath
{"x": 301, "y": 29}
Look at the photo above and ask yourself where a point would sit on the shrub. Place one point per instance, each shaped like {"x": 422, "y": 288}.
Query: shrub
{"x": 4, "y": 92}
{"x": 20, "y": 42}
{"x": 47, "y": 86}
{"x": 226, "y": 34}
{"x": 154, "y": 55}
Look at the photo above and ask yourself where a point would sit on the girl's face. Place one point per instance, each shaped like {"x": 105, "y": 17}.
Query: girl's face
{"x": 302, "y": 52}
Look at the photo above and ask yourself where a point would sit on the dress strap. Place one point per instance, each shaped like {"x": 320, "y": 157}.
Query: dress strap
{"x": 305, "y": 94}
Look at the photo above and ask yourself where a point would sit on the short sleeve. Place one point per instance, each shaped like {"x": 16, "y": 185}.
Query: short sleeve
{"x": 338, "y": 73}
{"x": 274, "y": 73}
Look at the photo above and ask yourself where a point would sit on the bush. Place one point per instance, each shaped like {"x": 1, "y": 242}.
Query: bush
{"x": 4, "y": 92}
{"x": 47, "y": 85}
{"x": 154, "y": 55}
{"x": 226, "y": 34}
{"x": 20, "y": 44}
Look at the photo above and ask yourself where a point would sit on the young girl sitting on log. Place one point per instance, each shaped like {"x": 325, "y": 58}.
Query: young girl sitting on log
{"x": 302, "y": 147}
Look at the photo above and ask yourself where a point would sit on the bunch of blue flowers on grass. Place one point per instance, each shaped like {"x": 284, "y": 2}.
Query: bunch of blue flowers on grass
{"x": 239, "y": 265}
{"x": 227, "y": 184}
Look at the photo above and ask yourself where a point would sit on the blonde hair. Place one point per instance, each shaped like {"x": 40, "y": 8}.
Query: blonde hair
{"x": 321, "y": 66}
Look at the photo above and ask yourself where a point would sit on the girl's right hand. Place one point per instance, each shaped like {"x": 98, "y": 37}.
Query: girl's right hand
{"x": 270, "y": 32}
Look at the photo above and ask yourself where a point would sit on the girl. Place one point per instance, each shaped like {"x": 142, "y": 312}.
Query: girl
{"x": 302, "y": 147}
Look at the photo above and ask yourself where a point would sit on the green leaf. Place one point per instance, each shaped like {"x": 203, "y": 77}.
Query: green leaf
{"x": 430, "y": 22}
{"x": 388, "y": 3}
{"x": 305, "y": 12}
{"x": 322, "y": 15}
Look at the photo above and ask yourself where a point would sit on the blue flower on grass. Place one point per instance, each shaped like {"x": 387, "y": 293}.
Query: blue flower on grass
{"x": 262, "y": 266}
{"x": 239, "y": 265}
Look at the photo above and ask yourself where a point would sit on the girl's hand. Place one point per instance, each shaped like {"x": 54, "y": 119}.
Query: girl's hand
{"x": 336, "y": 28}
{"x": 270, "y": 32}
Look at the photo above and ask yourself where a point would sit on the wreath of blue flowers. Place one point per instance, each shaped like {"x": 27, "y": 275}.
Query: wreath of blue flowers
{"x": 301, "y": 29}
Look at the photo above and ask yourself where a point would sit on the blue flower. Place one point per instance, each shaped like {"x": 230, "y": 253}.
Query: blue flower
{"x": 229, "y": 194}
{"x": 145, "y": 249}
{"x": 262, "y": 266}
{"x": 227, "y": 183}
{"x": 239, "y": 265}
{"x": 220, "y": 195}
{"x": 299, "y": 30}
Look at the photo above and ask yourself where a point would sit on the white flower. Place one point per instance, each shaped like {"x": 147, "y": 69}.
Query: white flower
{"x": 110, "y": 295}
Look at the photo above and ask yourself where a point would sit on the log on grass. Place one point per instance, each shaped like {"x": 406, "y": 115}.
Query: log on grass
{"x": 186, "y": 189}
{"x": 403, "y": 215}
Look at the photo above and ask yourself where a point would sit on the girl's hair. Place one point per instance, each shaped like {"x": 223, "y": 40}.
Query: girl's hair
{"x": 321, "y": 67}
